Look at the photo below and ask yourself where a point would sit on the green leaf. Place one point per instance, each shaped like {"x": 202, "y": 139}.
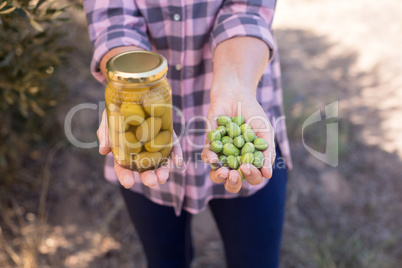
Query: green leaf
{"x": 40, "y": 2}
{"x": 56, "y": 14}
{"x": 36, "y": 25}
{"x": 49, "y": 6}
{"x": 3, "y": 4}
{"x": 11, "y": 9}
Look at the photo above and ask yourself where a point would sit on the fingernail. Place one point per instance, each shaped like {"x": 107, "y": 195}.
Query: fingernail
{"x": 232, "y": 180}
{"x": 128, "y": 181}
{"x": 101, "y": 140}
{"x": 221, "y": 176}
{"x": 246, "y": 171}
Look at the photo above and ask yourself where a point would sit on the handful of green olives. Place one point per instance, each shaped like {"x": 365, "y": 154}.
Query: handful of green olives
{"x": 236, "y": 143}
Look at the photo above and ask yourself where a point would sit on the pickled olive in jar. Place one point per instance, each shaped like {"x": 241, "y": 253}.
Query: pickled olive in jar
{"x": 162, "y": 140}
{"x": 166, "y": 120}
{"x": 133, "y": 113}
{"x": 155, "y": 106}
{"x": 121, "y": 156}
{"x": 149, "y": 129}
{"x": 139, "y": 108}
{"x": 116, "y": 120}
{"x": 131, "y": 143}
{"x": 166, "y": 151}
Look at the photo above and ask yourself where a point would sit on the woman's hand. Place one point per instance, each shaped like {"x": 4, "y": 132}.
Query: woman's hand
{"x": 239, "y": 63}
{"x": 224, "y": 103}
{"x": 126, "y": 177}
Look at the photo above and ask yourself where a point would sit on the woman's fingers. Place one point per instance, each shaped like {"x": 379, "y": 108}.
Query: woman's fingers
{"x": 103, "y": 135}
{"x": 125, "y": 176}
{"x": 266, "y": 132}
{"x": 269, "y": 159}
{"x": 149, "y": 178}
{"x": 219, "y": 175}
{"x": 208, "y": 156}
{"x": 233, "y": 182}
{"x": 177, "y": 153}
{"x": 162, "y": 173}
{"x": 251, "y": 174}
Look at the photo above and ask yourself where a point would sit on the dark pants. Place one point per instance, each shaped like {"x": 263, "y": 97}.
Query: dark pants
{"x": 250, "y": 227}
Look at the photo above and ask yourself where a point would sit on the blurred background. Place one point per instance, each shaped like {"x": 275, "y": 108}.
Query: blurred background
{"x": 56, "y": 210}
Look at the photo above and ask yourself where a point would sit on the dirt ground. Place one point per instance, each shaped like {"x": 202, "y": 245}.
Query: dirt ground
{"x": 344, "y": 216}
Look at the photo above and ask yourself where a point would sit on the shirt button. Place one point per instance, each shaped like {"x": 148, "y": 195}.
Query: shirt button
{"x": 176, "y": 17}
{"x": 178, "y": 67}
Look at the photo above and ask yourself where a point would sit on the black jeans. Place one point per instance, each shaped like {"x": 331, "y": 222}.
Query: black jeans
{"x": 251, "y": 227}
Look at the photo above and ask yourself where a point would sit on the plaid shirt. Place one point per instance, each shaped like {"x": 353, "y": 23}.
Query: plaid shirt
{"x": 186, "y": 34}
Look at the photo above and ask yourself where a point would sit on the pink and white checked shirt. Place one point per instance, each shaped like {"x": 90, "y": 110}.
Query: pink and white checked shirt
{"x": 186, "y": 34}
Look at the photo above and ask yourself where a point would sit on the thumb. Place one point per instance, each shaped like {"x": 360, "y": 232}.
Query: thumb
{"x": 103, "y": 135}
{"x": 177, "y": 153}
{"x": 269, "y": 153}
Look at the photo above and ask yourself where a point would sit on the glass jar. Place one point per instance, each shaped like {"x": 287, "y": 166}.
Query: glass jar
{"x": 139, "y": 110}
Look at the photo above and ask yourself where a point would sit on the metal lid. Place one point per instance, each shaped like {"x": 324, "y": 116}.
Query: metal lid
{"x": 136, "y": 67}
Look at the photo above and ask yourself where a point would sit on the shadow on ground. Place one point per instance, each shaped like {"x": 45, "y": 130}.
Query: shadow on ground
{"x": 345, "y": 216}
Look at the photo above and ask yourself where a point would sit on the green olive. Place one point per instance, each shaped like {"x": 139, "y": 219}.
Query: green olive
{"x": 215, "y": 166}
{"x": 133, "y": 113}
{"x": 161, "y": 140}
{"x": 214, "y": 135}
{"x": 116, "y": 121}
{"x": 148, "y": 129}
{"x": 238, "y": 141}
{"x": 222, "y": 130}
{"x": 132, "y": 145}
{"x": 223, "y": 159}
{"x": 155, "y": 105}
{"x": 247, "y": 158}
{"x": 244, "y": 127}
{"x": 166, "y": 151}
{"x": 226, "y": 139}
{"x": 166, "y": 120}
{"x": 233, "y": 163}
{"x": 241, "y": 174}
{"x": 216, "y": 146}
{"x": 258, "y": 159}
{"x": 260, "y": 144}
{"x": 233, "y": 129}
{"x": 247, "y": 148}
{"x": 249, "y": 135}
{"x": 239, "y": 120}
{"x": 223, "y": 120}
{"x": 230, "y": 149}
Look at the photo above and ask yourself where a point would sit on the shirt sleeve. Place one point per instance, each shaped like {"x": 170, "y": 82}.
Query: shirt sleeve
{"x": 111, "y": 24}
{"x": 244, "y": 18}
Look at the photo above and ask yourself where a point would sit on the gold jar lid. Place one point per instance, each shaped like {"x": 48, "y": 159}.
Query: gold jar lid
{"x": 136, "y": 67}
